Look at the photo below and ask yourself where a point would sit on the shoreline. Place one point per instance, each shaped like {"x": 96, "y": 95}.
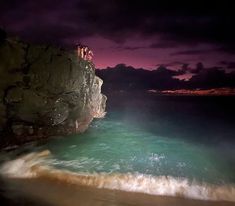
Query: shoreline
{"x": 50, "y": 192}
{"x": 27, "y": 179}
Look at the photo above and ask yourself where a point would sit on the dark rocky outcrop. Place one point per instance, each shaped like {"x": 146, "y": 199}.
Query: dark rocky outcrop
{"x": 46, "y": 91}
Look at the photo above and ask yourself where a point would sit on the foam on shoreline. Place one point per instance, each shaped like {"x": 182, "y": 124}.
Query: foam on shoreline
{"x": 32, "y": 166}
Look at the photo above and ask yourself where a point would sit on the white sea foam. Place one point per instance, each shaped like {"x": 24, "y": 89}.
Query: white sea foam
{"x": 31, "y": 166}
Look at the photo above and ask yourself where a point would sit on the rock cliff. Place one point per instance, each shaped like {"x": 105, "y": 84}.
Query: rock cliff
{"x": 46, "y": 91}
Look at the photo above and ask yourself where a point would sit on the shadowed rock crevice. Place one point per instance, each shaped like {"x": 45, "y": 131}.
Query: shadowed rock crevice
{"x": 46, "y": 91}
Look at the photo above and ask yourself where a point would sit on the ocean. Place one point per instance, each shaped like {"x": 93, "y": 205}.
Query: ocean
{"x": 148, "y": 150}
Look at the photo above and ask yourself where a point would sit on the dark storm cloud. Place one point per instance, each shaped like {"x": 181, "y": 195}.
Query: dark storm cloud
{"x": 188, "y": 23}
{"x": 162, "y": 78}
{"x": 133, "y": 48}
{"x": 161, "y": 45}
{"x": 172, "y": 64}
{"x": 228, "y": 64}
{"x": 164, "y": 45}
{"x": 198, "y": 69}
{"x": 191, "y": 52}
{"x": 212, "y": 78}
{"x": 138, "y": 79}
{"x": 231, "y": 65}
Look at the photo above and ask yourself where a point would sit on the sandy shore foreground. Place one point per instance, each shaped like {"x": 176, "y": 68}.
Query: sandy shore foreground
{"x": 50, "y": 192}
{"x": 37, "y": 185}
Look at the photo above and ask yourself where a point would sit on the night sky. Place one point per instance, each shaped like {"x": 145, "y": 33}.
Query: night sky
{"x": 142, "y": 34}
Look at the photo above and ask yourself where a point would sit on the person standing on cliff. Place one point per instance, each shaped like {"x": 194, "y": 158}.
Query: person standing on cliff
{"x": 90, "y": 55}
{"x": 80, "y": 50}
{"x": 84, "y": 52}
{"x": 86, "y": 49}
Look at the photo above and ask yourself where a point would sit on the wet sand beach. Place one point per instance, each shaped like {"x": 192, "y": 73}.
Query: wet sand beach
{"x": 51, "y": 192}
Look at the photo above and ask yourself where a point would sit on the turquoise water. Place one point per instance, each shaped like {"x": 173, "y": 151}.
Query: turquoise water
{"x": 173, "y": 146}
{"x": 172, "y": 141}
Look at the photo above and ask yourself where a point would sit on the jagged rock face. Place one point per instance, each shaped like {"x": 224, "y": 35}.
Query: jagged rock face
{"x": 46, "y": 91}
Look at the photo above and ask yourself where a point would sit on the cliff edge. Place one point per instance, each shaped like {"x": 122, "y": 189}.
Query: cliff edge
{"x": 45, "y": 91}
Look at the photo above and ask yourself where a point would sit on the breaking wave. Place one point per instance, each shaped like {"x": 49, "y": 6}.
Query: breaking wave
{"x": 34, "y": 165}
